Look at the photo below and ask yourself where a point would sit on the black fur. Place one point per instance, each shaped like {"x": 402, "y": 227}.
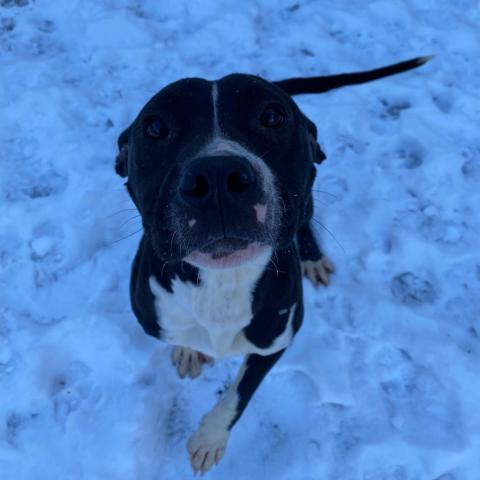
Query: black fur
{"x": 156, "y": 167}
{"x": 303, "y": 85}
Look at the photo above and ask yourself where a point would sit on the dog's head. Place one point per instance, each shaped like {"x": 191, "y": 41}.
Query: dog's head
{"x": 220, "y": 171}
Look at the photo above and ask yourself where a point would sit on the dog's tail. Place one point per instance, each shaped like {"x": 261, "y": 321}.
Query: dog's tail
{"x": 298, "y": 86}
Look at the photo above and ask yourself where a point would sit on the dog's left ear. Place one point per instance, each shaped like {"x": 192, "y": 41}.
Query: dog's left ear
{"x": 121, "y": 161}
{"x": 318, "y": 155}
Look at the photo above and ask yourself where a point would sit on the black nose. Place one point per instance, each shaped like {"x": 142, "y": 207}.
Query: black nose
{"x": 205, "y": 177}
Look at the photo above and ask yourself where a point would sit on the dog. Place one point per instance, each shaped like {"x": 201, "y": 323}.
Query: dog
{"x": 222, "y": 173}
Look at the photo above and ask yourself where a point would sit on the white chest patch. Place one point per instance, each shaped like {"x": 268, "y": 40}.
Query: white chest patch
{"x": 209, "y": 318}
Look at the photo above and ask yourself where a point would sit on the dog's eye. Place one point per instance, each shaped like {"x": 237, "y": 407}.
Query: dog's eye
{"x": 273, "y": 116}
{"x": 157, "y": 128}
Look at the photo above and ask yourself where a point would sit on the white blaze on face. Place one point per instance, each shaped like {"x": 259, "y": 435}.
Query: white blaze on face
{"x": 260, "y": 212}
{"x": 216, "y": 126}
{"x": 219, "y": 145}
{"x": 223, "y": 146}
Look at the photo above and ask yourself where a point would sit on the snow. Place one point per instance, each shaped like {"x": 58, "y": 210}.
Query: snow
{"x": 382, "y": 382}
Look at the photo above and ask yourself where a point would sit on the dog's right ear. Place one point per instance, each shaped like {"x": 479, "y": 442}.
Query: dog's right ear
{"x": 318, "y": 155}
{"x": 121, "y": 161}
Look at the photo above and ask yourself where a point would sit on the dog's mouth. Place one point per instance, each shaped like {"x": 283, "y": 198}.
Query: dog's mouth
{"x": 227, "y": 253}
{"x": 224, "y": 246}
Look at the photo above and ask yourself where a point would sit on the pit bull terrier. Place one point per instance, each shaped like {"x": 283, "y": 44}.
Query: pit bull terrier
{"x": 222, "y": 173}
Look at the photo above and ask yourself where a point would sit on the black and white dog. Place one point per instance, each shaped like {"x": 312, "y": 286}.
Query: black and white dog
{"x": 222, "y": 173}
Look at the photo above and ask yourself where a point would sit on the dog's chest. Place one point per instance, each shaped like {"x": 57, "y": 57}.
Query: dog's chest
{"x": 208, "y": 317}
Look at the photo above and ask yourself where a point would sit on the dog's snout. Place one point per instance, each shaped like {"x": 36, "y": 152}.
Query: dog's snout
{"x": 218, "y": 176}
{"x": 194, "y": 186}
{"x": 240, "y": 179}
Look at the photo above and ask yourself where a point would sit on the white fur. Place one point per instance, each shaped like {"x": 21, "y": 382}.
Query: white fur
{"x": 207, "y": 445}
{"x": 318, "y": 271}
{"x": 216, "y": 125}
{"x": 209, "y": 318}
{"x": 188, "y": 362}
{"x": 221, "y": 145}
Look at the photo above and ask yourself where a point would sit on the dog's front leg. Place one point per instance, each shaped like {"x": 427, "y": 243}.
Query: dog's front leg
{"x": 315, "y": 265}
{"x": 207, "y": 445}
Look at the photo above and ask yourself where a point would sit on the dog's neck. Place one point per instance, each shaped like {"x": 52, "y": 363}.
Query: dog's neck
{"x": 218, "y": 306}
{"x": 167, "y": 270}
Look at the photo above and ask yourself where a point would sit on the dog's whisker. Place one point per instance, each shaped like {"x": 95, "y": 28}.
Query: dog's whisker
{"x": 262, "y": 156}
{"x": 129, "y": 220}
{"x": 121, "y": 211}
{"x": 171, "y": 242}
{"x": 127, "y": 236}
{"x": 323, "y": 204}
{"x": 330, "y": 233}
{"x": 163, "y": 268}
{"x": 274, "y": 265}
{"x": 276, "y": 255}
{"x": 326, "y": 193}
{"x": 117, "y": 190}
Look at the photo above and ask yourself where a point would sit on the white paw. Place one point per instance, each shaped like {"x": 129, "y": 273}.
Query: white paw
{"x": 319, "y": 271}
{"x": 189, "y": 362}
{"x": 207, "y": 446}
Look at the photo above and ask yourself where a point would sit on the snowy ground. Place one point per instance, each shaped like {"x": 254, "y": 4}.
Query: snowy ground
{"x": 383, "y": 380}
